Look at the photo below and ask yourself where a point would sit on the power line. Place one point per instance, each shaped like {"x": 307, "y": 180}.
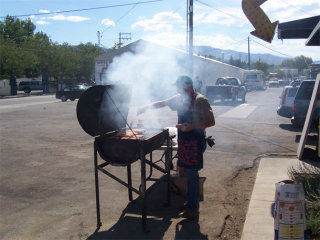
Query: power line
{"x": 297, "y": 8}
{"x": 137, "y": 33}
{"x": 86, "y": 9}
{"x": 271, "y": 49}
{"x": 207, "y": 5}
{"x": 125, "y": 14}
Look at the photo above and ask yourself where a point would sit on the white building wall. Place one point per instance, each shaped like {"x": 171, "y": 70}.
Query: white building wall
{"x": 208, "y": 70}
{"x": 5, "y": 88}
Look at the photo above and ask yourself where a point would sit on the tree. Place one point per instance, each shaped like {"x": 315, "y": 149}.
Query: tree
{"x": 25, "y": 53}
{"x": 301, "y": 62}
{"x": 15, "y": 55}
{"x": 237, "y": 63}
{"x": 261, "y": 66}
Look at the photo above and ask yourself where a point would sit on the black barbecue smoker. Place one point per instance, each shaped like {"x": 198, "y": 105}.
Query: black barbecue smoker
{"x": 102, "y": 112}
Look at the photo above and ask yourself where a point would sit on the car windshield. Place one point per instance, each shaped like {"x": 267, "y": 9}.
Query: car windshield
{"x": 227, "y": 81}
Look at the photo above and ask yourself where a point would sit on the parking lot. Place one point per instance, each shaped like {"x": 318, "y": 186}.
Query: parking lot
{"x": 47, "y": 177}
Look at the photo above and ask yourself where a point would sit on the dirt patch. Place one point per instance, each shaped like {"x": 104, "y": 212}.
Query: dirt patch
{"x": 236, "y": 203}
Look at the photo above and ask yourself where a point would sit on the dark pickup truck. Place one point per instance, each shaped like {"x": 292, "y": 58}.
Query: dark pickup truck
{"x": 71, "y": 92}
{"x": 226, "y": 88}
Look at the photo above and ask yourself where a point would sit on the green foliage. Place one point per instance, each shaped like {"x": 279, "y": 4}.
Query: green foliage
{"x": 238, "y": 63}
{"x": 301, "y": 62}
{"x": 261, "y": 66}
{"x": 25, "y": 53}
{"x": 309, "y": 177}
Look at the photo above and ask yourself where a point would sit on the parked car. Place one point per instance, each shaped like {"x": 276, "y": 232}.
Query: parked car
{"x": 283, "y": 83}
{"x": 295, "y": 83}
{"x": 226, "y": 88}
{"x": 71, "y": 92}
{"x": 28, "y": 86}
{"x": 286, "y": 103}
{"x": 301, "y": 104}
{"x": 273, "y": 83}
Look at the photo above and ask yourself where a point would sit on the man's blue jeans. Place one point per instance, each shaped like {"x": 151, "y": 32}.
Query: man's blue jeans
{"x": 193, "y": 190}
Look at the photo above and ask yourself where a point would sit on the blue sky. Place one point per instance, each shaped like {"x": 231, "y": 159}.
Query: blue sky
{"x": 219, "y": 24}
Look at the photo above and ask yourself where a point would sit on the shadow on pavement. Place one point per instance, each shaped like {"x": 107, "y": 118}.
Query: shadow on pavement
{"x": 290, "y": 127}
{"x": 189, "y": 229}
{"x": 159, "y": 219}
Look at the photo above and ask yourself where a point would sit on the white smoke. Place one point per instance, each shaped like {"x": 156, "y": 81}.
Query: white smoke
{"x": 151, "y": 71}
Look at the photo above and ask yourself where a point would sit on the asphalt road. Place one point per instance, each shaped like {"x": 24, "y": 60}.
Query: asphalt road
{"x": 47, "y": 180}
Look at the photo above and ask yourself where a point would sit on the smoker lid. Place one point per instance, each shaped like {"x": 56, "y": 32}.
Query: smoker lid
{"x": 103, "y": 108}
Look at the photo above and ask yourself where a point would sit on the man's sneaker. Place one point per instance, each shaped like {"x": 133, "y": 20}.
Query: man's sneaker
{"x": 187, "y": 214}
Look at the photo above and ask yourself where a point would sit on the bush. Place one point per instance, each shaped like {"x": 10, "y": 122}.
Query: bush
{"x": 309, "y": 177}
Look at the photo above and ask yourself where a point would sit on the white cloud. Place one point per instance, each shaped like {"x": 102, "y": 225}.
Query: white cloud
{"x": 160, "y": 21}
{"x": 32, "y": 17}
{"x": 58, "y": 17}
{"x": 286, "y": 48}
{"x": 227, "y": 16}
{"x": 179, "y": 39}
{"x": 61, "y": 17}
{"x": 42, "y": 22}
{"x": 44, "y": 11}
{"x": 108, "y": 22}
{"x": 77, "y": 19}
{"x": 217, "y": 41}
{"x": 166, "y": 39}
{"x": 289, "y": 10}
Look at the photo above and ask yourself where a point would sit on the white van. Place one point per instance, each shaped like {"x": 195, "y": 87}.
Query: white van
{"x": 253, "y": 79}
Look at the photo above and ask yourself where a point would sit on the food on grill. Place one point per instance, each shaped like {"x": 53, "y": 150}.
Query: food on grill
{"x": 134, "y": 134}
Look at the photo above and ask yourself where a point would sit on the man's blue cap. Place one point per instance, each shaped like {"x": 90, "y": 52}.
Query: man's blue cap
{"x": 183, "y": 80}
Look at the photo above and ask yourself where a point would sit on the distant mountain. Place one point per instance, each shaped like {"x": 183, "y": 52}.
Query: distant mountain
{"x": 226, "y": 55}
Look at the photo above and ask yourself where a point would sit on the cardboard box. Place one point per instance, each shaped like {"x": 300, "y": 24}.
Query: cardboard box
{"x": 289, "y": 212}
{"x": 180, "y": 185}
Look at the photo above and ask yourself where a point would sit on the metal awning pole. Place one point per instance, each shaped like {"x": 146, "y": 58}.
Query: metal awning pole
{"x": 191, "y": 37}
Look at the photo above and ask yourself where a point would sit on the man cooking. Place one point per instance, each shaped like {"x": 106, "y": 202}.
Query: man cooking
{"x": 194, "y": 116}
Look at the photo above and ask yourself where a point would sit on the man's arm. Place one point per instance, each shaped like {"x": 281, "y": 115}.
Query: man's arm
{"x": 159, "y": 104}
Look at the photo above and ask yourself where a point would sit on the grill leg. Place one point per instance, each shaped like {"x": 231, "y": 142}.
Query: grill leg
{"x": 97, "y": 185}
{"x": 168, "y": 160}
{"x": 143, "y": 190}
{"x": 129, "y": 181}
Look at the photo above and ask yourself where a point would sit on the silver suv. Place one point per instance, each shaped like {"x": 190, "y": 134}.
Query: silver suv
{"x": 286, "y": 103}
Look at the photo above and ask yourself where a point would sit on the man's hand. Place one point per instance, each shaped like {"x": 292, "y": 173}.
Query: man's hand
{"x": 185, "y": 127}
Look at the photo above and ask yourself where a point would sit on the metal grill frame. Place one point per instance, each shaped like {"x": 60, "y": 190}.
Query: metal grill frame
{"x": 142, "y": 191}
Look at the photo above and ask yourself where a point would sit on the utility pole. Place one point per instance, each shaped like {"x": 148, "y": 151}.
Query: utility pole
{"x": 190, "y": 10}
{"x": 99, "y": 36}
{"x": 124, "y": 36}
{"x": 187, "y": 21}
{"x": 249, "y": 53}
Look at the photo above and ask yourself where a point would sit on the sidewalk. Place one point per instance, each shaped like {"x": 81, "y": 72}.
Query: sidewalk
{"x": 21, "y": 94}
{"x": 259, "y": 222}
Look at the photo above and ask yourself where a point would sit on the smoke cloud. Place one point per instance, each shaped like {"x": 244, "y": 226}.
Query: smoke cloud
{"x": 151, "y": 71}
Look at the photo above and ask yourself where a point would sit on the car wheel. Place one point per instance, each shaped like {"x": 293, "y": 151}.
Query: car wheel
{"x": 234, "y": 98}
{"x": 243, "y": 99}
{"x": 64, "y": 98}
{"x": 27, "y": 90}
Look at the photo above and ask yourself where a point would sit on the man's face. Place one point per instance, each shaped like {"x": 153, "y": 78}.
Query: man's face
{"x": 184, "y": 89}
